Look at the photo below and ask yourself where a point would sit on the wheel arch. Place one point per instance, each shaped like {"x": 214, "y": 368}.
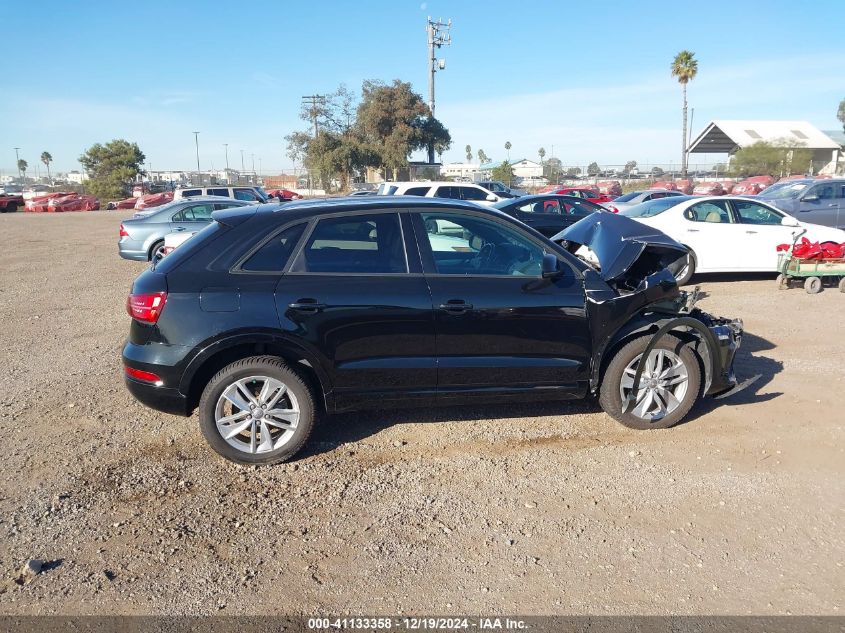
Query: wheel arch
{"x": 231, "y": 349}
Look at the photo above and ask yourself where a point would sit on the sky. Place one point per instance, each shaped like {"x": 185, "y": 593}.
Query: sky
{"x": 587, "y": 81}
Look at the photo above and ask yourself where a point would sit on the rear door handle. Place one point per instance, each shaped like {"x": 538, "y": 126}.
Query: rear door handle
{"x": 456, "y": 306}
{"x": 692, "y": 230}
{"x": 306, "y": 305}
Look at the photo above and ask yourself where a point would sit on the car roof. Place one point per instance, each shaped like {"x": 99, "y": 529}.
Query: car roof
{"x": 430, "y": 183}
{"x": 209, "y": 199}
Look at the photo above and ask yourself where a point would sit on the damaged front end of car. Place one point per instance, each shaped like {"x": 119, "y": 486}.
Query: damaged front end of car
{"x": 631, "y": 292}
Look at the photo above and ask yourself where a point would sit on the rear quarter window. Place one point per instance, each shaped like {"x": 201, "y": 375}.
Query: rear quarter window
{"x": 273, "y": 256}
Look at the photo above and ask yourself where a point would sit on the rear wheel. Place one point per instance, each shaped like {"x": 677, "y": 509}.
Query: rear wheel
{"x": 157, "y": 251}
{"x": 669, "y": 386}
{"x": 813, "y": 285}
{"x": 10, "y": 208}
{"x": 257, "y": 411}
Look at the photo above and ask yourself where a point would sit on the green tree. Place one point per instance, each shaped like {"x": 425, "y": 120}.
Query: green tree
{"x": 630, "y": 166}
{"x": 482, "y": 157}
{"x": 657, "y": 171}
{"x": 22, "y": 165}
{"x": 773, "y": 159}
{"x": 573, "y": 171}
{"x": 46, "y": 158}
{"x": 720, "y": 168}
{"x": 552, "y": 169}
{"x": 394, "y": 121}
{"x": 503, "y": 173}
{"x": 469, "y": 153}
{"x": 542, "y": 154}
{"x": 593, "y": 169}
{"x": 684, "y": 69}
{"x": 112, "y": 167}
{"x": 841, "y": 113}
{"x": 508, "y": 149}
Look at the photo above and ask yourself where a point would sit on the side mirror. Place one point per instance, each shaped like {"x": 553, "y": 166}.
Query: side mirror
{"x": 789, "y": 221}
{"x": 551, "y": 266}
{"x": 491, "y": 198}
{"x": 810, "y": 197}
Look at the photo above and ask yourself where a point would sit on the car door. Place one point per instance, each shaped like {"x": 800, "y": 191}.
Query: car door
{"x": 501, "y": 329}
{"x": 192, "y": 218}
{"x": 353, "y": 294}
{"x": 823, "y": 204}
{"x": 709, "y": 229}
{"x": 763, "y": 231}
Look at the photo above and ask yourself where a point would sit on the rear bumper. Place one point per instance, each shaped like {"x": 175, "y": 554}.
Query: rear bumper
{"x": 158, "y": 398}
{"x": 132, "y": 249}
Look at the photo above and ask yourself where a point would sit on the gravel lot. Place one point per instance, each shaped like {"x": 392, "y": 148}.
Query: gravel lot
{"x": 550, "y": 509}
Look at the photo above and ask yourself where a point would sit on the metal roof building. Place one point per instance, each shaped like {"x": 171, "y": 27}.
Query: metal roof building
{"x": 728, "y": 136}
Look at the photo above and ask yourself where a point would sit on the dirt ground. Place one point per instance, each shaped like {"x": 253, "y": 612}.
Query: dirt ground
{"x": 551, "y": 509}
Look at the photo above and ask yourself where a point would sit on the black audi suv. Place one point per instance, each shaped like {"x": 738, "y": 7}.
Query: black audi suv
{"x": 272, "y": 316}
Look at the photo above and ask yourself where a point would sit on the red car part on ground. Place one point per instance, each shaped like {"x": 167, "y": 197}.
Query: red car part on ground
{"x": 815, "y": 250}
{"x": 610, "y": 188}
{"x": 153, "y": 200}
{"x": 40, "y": 204}
{"x": 73, "y": 202}
{"x": 728, "y": 186}
{"x": 127, "y": 203}
{"x": 668, "y": 185}
{"x": 587, "y": 193}
{"x": 283, "y": 194}
{"x": 708, "y": 189}
{"x": 753, "y": 185}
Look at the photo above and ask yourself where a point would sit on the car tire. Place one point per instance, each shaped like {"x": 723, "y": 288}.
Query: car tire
{"x": 297, "y": 395}
{"x": 10, "y": 208}
{"x": 156, "y": 251}
{"x": 685, "y": 274}
{"x": 646, "y": 412}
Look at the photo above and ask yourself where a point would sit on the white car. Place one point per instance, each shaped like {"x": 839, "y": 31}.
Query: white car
{"x": 727, "y": 233}
{"x": 454, "y": 190}
{"x": 36, "y": 190}
{"x": 177, "y": 238}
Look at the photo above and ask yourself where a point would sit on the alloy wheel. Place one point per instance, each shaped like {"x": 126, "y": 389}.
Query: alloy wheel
{"x": 663, "y": 384}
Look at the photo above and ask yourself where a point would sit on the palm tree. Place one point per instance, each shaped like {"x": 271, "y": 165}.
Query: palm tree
{"x": 22, "y": 165}
{"x": 508, "y": 148}
{"x": 47, "y": 158}
{"x": 684, "y": 68}
{"x": 469, "y": 154}
{"x": 542, "y": 154}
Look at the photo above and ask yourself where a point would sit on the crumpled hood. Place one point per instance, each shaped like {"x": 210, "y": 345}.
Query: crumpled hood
{"x": 624, "y": 247}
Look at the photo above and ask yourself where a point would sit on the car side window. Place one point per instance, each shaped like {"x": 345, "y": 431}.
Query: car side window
{"x": 824, "y": 192}
{"x": 370, "y": 244}
{"x": 713, "y": 212}
{"x": 191, "y": 192}
{"x": 541, "y": 206}
{"x": 245, "y": 194}
{"x": 469, "y": 245}
{"x": 417, "y": 191}
{"x": 448, "y": 192}
{"x": 471, "y": 193}
{"x": 273, "y": 256}
{"x": 753, "y": 213}
{"x": 219, "y": 192}
{"x": 179, "y": 216}
{"x": 199, "y": 212}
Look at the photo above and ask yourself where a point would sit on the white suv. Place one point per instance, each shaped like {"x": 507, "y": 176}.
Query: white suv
{"x": 242, "y": 192}
{"x": 453, "y": 190}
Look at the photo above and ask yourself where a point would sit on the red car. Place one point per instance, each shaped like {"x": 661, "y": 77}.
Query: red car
{"x": 708, "y": 189}
{"x": 668, "y": 185}
{"x": 73, "y": 202}
{"x": 752, "y": 186}
{"x": 728, "y": 186}
{"x": 587, "y": 193}
{"x": 685, "y": 185}
{"x": 283, "y": 194}
{"x": 153, "y": 200}
{"x": 611, "y": 188}
{"x": 11, "y": 203}
{"x": 128, "y": 203}
{"x": 40, "y": 204}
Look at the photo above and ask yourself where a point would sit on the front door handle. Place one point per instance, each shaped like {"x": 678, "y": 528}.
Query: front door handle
{"x": 692, "y": 230}
{"x": 307, "y": 305}
{"x": 180, "y": 228}
{"x": 752, "y": 232}
{"x": 456, "y": 306}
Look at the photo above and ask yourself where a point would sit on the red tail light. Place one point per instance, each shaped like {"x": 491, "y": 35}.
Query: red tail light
{"x": 140, "y": 374}
{"x": 146, "y": 307}
{"x": 612, "y": 208}
{"x": 123, "y": 232}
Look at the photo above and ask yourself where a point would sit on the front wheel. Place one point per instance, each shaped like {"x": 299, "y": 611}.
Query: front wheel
{"x": 687, "y": 270}
{"x": 257, "y": 411}
{"x": 669, "y": 385}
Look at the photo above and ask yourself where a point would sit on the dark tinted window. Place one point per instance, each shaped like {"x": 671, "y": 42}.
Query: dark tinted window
{"x": 198, "y": 213}
{"x": 219, "y": 192}
{"x": 753, "y": 213}
{"x": 191, "y": 192}
{"x": 364, "y": 244}
{"x": 246, "y": 194}
{"x": 274, "y": 255}
{"x": 471, "y": 193}
{"x": 417, "y": 191}
{"x": 448, "y": 192}
{"x": 541, "y": 206}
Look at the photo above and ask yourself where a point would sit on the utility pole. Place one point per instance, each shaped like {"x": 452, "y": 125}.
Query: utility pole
{"x": 197, "y": 142}
{"x": 439, "y": 34}
{"x": 253, "y": 165}
{"x": 18, "y": 165}
{"x": 313, "y": 101}
{"x": 226, "y": 149}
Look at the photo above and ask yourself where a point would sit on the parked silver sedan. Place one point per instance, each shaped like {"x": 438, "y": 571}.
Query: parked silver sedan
{"x": 142, "y": 237}
{"x": 627, "y": 200}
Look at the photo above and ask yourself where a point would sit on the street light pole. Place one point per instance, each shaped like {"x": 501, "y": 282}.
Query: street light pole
{"x": 18, "y": 164}
{"x": 226, "y": 146}
{"x": 197, "y": 142}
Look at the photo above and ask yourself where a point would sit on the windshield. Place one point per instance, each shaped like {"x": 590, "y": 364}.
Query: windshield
{"x": 627, "y": 196}
{"x": 653, "y": 207}
{"x": 791, "y": 190}
{"x": 263, "y": 193}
